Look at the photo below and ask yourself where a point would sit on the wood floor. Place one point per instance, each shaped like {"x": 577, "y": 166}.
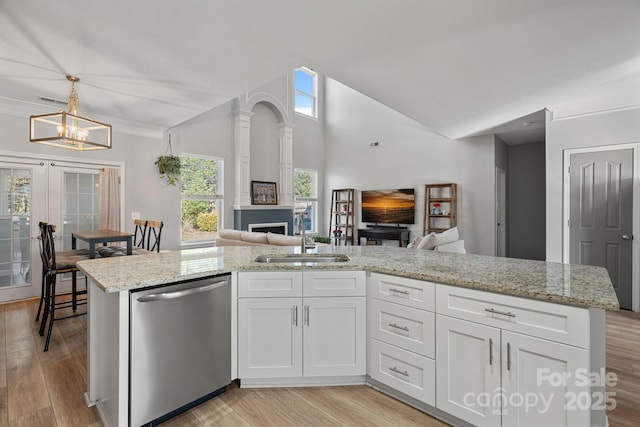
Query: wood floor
{"x": 46, "y": 389}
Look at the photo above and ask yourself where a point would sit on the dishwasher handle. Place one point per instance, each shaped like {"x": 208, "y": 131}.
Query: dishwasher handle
{"x": 182, "y": 293}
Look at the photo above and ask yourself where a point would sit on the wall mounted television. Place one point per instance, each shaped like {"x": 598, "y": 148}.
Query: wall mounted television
{"x": 388, "y": 206}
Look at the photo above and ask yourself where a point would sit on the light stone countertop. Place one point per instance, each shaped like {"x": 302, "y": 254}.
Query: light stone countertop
{"x": 577, "y": 285}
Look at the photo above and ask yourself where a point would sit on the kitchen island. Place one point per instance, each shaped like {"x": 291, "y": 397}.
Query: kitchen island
{"x": 586, "y": 289}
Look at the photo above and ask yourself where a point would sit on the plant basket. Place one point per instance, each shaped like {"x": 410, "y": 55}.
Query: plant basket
{"x": 169, "y": 165}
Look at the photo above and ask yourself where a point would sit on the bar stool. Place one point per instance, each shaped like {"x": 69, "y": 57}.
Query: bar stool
{"x": 53, "y": 264}
{"x": 63, "y": 254}
{"x": 154, "y": 230}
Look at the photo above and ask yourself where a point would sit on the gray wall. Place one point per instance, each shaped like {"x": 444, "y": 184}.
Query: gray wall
{"x": 526, "y": 201}
{"x": 611, "y": 128}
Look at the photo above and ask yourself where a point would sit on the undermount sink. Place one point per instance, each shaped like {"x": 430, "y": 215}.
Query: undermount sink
{"x": 303, "y": 258}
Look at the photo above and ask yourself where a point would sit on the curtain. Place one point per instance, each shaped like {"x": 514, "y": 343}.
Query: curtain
{"x": 109, "y": 199}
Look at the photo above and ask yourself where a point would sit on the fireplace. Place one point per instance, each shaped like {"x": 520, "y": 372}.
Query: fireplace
{"x": 270, "y": 227}
{"x": 274, "y": 219}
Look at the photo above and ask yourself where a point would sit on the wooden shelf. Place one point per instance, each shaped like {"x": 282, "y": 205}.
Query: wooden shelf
{"x": 446, "y": 195}
{"x": 342, "y": 216}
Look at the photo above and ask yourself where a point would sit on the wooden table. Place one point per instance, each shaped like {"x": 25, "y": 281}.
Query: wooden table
{"x": 101, "y": 236}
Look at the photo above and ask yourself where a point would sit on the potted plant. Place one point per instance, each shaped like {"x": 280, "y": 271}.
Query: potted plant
{"x": 169, "y": 165}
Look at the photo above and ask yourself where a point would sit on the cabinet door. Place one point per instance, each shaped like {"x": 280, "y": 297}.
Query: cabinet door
{"x": 334, "y": 336}
{"x": 468, "y": 371}
{"x": 269, "y": 337}
{"x": 545, "y": 383}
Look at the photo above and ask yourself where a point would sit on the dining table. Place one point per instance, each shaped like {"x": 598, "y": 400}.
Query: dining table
{"x": 103, "y": 236}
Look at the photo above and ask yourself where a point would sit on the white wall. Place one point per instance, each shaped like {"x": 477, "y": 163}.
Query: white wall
{"x": 408, "y": 155}
{"x": 145, "y": 192}
{"x": 265, "y": 145}
{"x": 336, "y": 145}
{"x": 617, "y": 127}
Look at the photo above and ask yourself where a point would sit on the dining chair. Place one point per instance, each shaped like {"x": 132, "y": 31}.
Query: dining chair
{"x": 53, "y": 264}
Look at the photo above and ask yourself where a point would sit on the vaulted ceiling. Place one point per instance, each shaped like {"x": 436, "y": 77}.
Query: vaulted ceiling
{"x": 457, "y": 66}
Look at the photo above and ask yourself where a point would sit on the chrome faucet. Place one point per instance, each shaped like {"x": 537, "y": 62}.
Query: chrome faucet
{"x": 304, "y": 245}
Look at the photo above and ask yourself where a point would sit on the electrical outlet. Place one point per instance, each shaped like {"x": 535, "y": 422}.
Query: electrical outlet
{"x": 135, "y": 215}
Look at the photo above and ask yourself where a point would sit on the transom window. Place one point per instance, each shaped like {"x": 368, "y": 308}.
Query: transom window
{"x": 306, "y": 92}
{"x": 202, "y": 183}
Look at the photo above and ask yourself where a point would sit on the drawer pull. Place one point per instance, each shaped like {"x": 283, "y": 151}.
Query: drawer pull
{"x": 398, "y": 371}
{"x": 398, "y": 291}
{"x": 492, "y": 311}
{"x": 508, "y": 356}
{"x": 295, "y": 315}
{"x": 403, "y": 328}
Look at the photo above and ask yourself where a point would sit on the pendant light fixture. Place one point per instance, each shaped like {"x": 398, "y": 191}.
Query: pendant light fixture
{"x": 69, "y": 130}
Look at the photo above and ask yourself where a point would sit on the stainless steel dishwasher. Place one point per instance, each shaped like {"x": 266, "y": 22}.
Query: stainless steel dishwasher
{"x": 180, "y": 349}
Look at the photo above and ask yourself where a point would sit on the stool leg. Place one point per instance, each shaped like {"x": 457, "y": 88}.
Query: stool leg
{"x": 52, "y": 309}
{"x": 47, "y": 304}
{"x": 41, "y": 296}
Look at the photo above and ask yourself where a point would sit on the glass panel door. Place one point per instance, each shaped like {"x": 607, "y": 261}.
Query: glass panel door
{"x": 20, "y": 266}
{"x": 74, "y": 195}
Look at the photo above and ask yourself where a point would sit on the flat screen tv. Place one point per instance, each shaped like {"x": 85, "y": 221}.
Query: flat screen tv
{"x": 389, "y": 206}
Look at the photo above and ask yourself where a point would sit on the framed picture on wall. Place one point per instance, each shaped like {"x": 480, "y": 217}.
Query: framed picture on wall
{"x": 263, "y": 193}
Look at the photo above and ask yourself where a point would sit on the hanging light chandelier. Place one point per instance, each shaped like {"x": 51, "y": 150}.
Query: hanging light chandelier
{"x": 69, "y": 130}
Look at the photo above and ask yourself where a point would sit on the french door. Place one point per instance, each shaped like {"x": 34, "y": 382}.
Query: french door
{"x": 63, "y": 193}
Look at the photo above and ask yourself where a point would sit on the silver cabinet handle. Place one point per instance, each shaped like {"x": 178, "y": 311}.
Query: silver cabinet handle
{"x": 403, "y": 328}
{"x": 398, "y": 291}
{"x": 508, "y": 356}
{"x": 183, "y": 293}
{"x": 306, "y": 314}
{"x": 626, "y": 237}
{"x": 294, "y": 310}
{"x": 492, "y": 311}
{"x": 398, "y": 371}
{"x": 490, "y": 352}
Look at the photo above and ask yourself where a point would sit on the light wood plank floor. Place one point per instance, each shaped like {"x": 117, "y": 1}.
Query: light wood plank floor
{"x": 46, "y": 389}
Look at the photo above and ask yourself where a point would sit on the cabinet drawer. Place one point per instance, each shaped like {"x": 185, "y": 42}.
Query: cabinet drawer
{"x": 270, "y": 284}
{"x": 409, "y": 292}
{"x": 406, "y": 372}
{"x": 334, "y": 283}
{"x": 405, "y": 327}
{"x": 556, "y": 322}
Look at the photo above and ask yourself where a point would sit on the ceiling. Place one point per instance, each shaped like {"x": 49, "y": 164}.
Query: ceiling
{"x": 458, "y": 67}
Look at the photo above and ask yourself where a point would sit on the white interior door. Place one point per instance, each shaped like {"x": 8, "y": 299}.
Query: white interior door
{"x": 23, "y": 202}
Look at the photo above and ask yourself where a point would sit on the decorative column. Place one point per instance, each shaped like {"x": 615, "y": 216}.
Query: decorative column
{"x": 286, "y": 164}
{"x": 242, "y": 154}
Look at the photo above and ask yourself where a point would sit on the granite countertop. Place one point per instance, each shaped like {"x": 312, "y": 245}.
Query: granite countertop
{"x": 577, "y": 285}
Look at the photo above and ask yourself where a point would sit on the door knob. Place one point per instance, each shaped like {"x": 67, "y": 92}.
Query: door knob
{"x": 626, "y": 237}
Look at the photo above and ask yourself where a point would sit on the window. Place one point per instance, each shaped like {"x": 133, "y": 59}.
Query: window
{"x": 202, "y": 181}
{"x": 306, "y": 92}
{"x": 306, "y": 194}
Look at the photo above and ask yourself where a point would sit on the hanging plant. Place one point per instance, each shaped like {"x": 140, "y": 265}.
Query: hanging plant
{"x": 169, "y": 165}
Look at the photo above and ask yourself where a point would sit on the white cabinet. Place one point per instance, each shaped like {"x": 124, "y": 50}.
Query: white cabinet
{"x": 498, "y": 376}
{"x": 302, "y": 334}
{"x": 401, "y": 326}
{"x": 270, "y": 341}
{"x": 334, "y": 336}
